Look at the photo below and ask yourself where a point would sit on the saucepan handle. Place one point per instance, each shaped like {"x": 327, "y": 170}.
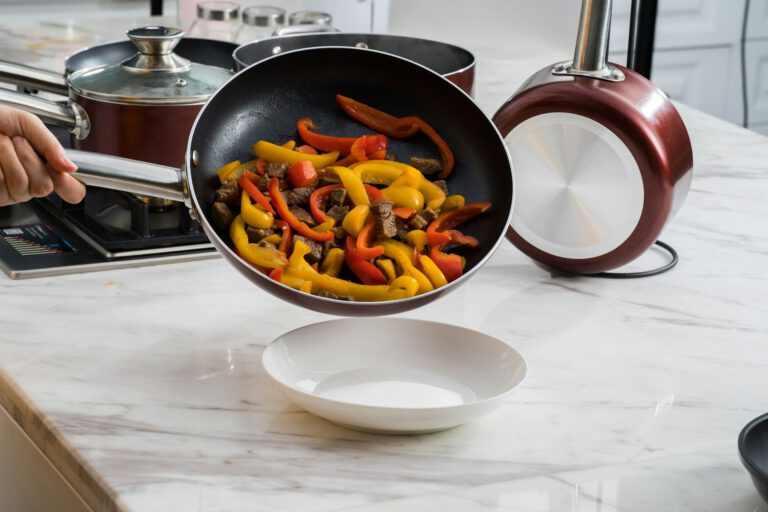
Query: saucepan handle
{"x": 68, "y": 115}
{"x": 127, "y": 175}
{"x": 33, "y": 78}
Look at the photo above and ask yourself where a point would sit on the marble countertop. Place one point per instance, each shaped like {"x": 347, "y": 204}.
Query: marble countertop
{"x": 144, "y": 386}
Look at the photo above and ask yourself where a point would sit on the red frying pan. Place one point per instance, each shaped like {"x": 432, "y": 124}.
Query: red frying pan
{"x": 602, "y": 158}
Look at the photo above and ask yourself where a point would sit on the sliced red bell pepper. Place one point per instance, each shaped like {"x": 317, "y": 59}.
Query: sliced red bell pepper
{"x": 341, "y": 144}
{"x": 403, "y": 212}
{"x": 460, "y": 238}
{"x": 364, "y": 239}
{"x": 375, "y": 119}
{"x": 397, "y": 127}
{"x": 247, "y": 182}
{"x": 358, "y": 149}
{"x": 320, "y": 195}
{"x": 287, "y": 239}
{"x": 276, "y": 274}
{"x": 367, "y": 272}
{"x": 439, "y": 233}
{"x": 282, "y": 210}
{"x": 261, "y": 167}
{"x": 302, "y": 174}
{"x": 306, "y": 149}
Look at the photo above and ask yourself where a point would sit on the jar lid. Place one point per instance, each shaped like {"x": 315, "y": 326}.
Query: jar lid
{"x": 218, "y": 11}
{"x": 155, "y": 75}
{"x": 309, "y": 18}
{"x": 264, "y": 16}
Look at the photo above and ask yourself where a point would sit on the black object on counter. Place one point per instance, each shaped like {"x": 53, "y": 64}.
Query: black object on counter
{"x": 753, "y": 451}
{"x": 642, "y": 34}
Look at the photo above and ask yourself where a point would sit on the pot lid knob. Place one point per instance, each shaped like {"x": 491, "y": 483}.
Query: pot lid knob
{"x": 155, "y": 45}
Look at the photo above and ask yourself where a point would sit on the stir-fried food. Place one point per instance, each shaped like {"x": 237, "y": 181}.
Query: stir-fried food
{"x": 340, "y": 217}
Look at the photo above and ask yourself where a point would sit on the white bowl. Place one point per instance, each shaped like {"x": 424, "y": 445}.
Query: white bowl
{"x": 393, "y": 375}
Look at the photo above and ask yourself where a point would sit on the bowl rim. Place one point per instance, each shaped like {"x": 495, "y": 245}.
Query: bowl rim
{"x": 754, "y": 470}
{"x": 390, "y": 409}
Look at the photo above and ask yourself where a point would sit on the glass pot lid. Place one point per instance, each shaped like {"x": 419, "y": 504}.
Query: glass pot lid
{"x": 155, "y": 75}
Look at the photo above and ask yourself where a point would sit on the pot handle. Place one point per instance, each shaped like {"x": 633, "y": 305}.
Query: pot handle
{"x": 68, "y": 115}
{"x": 33, "y": 78}
{"x": 127, "y": 175}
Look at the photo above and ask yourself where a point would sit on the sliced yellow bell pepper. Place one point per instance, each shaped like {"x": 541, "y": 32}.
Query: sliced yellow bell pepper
{"x": 376, "y": 173}
{"x": 355, "y": 220}
{"x": 406, "y": 196}
{"x": 453, "y": 202}
{"x": 225, "y": 170}
{"x": 261, "y": 256}
{"x": 388, "y": 268}
{"x": 433, "y": 195}
{"x": 432, "y": 271}
{"x": 290, "y": 144}
{"x": 306, "y": 287}
{"x": 274, "y": 153}
{"x": 296, "y": 275}
{"x": 402, "y": 254}
{"x": 333, "y": 262}
{"x": 417, "y": 238}
{"x": 272, "y": 239}
{"x": 353, "y": 184}
{"x": 326, "y": 225}
{"x": 253, "y": 216}
{"x": 410, "y": 177}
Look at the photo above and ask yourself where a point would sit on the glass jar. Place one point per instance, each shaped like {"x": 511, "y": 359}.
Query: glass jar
{"x": 310, "y": 18}
{"x": 216, "y": 20}
{"x": 260, "y": 22}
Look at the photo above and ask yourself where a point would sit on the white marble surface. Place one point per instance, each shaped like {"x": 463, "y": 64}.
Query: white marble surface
{"x": 145, "y": 387}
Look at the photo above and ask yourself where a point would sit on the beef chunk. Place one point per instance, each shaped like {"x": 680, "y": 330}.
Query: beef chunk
{"x": 338, "y": 197}
{"x": 263, "y": 183}
{"x": 328, "y": 179}
{"x": 303, "y": 215}
{"x": 336, "y": 243}
{"x": 316, "y": 249}
{"x": 222, "y": 215}
{"x": 331, "y": 295}
{"x": 384, "y": 219}
{"x": 298, "y": 196}
{"x": 275, "y": 170}
{"x": 443, "y": 185}
{"x": 426, "y": 165}
{"x": 339, "y": 232}
{"x": 255, "y": 235}
{"x": 228, "y": 193}
{"x": 337, "y": 213}
{"x": 422, "y": 219}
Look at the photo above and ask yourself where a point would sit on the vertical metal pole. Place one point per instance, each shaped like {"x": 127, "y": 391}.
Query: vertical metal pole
{"x": 592, "y": 40}
{"x": 155, "y": 7}
{"x": 642, "y": 34}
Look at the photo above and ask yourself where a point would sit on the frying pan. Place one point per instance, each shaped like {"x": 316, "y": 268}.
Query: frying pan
{"x": 265, "y": 100}
{"x": 201, "y": 51}
{"x": 453, "y": 62}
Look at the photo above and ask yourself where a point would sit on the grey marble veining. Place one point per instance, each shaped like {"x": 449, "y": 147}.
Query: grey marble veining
{"x": 144, "y": 386}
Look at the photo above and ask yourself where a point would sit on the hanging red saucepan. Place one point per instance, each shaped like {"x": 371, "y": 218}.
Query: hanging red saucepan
{"x": 209, "y": 52}
{"x": 141, "y": 108}
{"x": 453, "y": 62}
{"x": 265, "y": 100}
{"x": 602, "y": 157}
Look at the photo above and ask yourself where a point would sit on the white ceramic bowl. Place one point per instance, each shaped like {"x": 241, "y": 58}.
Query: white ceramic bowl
{"x": 393, "y": 375}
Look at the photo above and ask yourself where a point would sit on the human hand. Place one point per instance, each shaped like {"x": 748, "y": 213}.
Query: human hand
{"x": 24, "y": 174}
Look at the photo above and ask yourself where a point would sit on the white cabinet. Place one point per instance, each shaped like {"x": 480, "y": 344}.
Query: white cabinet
{"x": 757, "y": 22}
{"x": 756, "y": 57}
{"x": 28, "y": 481}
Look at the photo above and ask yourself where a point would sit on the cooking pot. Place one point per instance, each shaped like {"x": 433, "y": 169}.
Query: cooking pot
{"x": 209, "y": 52}
{"x": 602, "y": 157}
{"x": 453, "y": 62}
{"x": 250, "y": 107}
{"x": 141, "y": 108}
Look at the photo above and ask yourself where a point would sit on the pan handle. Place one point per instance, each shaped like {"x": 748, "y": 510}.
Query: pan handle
{"x": 33, "y": 78}
{"x": 132, "y": 176}
{"x": 68, "y": 115}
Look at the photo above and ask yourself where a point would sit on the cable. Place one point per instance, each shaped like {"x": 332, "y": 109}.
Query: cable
{"x": 644, "y": 273}
{"x": 744, "y": 91}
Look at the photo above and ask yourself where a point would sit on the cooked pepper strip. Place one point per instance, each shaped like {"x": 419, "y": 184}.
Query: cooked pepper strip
{"x": 452, "y": 202}
{"x": 397, "y": 127}
{"x": 451, "y": 265}
{"x": 417, "y": 238}
{"x": 388, "y": 268}
{"x": 286, "y": 239}
{"x": 353, "y": 184}
{"x": 401, "y": 212}
{"x": 407, "y": 197}
{"x": 261, "y": 256}
{"x": 225, "y": 170}
{"x": 402, "y": 254}
{"x": 341, "y": 144}
{"x": 247, "y": 183}
{"x": 354, "y": 221}
{"x": 253, "y": 216}
{"x": 276, "y": 274}
{"x": 432, "y": 271}
{"x": 274, "y": 153}
{"x": 363, "y": 269}
{"x": 320, "y": 195}
{"x": 333, "y": 262}
{"x": 375, "y": 119}
{"x": 401, "y": 288}
{"x": 364, "y": 239}
{"x": 282, "y": 210}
